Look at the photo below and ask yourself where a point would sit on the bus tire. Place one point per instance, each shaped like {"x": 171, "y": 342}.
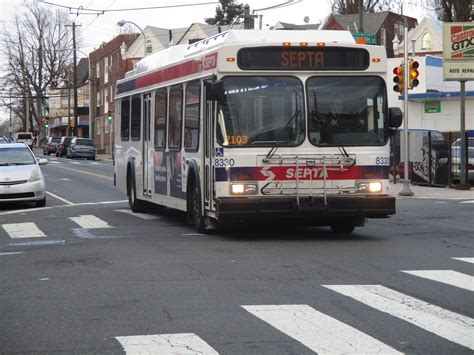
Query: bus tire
{"x": 342, "y": 228}
{"x": 135, "y": 205}
{"x": 195, "y": 208}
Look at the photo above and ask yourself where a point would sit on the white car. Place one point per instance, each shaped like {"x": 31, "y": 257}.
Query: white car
{"x": 456, "y": 159}
{"x": 21, "y": 179}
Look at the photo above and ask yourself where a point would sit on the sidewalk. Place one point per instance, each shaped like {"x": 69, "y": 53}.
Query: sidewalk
{"x": 103, "y": 157}
{"x": 431, "y": 192}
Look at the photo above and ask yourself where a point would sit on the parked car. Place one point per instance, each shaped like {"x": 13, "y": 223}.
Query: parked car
{"x": 61, "y": 146}
{"x": 49, "y": 145}
{"x": 81, "y": 148}
{"x": 24, "y": 137}
{"x": 21, "y": 178}
{"x": 456, "y": 159}
{"x": 4, "y": 139}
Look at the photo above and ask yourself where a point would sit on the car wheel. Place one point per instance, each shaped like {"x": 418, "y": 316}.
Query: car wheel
{"x": 343, "y": 228}
{"x": 41, "y": 203}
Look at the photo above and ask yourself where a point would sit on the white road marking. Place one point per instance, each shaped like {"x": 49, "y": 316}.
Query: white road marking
{"x": 26, "y": 210}
{"x": 467, "y": 260}
{"x": 471, "y": 201}
{"x": 60, "y": 198}
{"x": 317, "y": 331}
{"x": 11, "y": 253}
{"x": 449, "y": 277}
{"x": 65, "y": 179}
{"x": 54, "y": 162}
{"x": 189, "y": 234}
{"x": 179, "y": 344}
{"x": 139, "y": 215}
{"x": 90, "y": 222}
{"x": 23, "y": 230}
{"x": 94, "y": 163}
{"x": 449, "y": 325}
{"x": 75, "y": 162}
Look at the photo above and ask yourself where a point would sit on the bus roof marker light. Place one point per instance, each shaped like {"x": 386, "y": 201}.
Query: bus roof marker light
{"x": 320, "y": 44}
{"x": 304, "y": 44}
{"x": 376, "y": 60}
{"x": 231, "y": 59}
{"x": 286, "y": 44}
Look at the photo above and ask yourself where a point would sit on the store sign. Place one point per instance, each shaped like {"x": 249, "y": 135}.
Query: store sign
{"x": 458, "y": 50}
{"x": 432, "y": 106}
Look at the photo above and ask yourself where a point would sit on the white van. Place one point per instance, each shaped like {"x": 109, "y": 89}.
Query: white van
{"x": 24, "y": 137}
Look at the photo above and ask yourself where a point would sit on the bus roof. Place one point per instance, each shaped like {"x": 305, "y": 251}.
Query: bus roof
{"x": 242, "y": 38}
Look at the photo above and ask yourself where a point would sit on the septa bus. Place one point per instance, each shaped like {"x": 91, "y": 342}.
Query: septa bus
{"x": 252, "y": 124}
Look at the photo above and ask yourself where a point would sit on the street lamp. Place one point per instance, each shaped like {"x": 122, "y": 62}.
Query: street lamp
{"x": 121, "y": 23}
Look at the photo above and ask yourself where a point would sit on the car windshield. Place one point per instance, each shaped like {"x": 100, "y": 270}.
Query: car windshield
{"x": 87, "y": 142}
{"x": 261, "y": 111}
{"x": 16, "y": 156}
{"x": 24, "y": 136}
{"x": 347, "y": 111}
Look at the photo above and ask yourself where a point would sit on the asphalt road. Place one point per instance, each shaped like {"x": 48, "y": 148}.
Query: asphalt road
{"x": 95, "y": 278}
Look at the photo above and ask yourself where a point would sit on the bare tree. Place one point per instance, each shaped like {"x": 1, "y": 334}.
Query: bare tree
{"x": 451, "y": 10}
{"x": 346, "y": 7}
{"x": 37, "y": 49}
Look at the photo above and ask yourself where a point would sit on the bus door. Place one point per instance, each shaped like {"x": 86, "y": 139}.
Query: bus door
{"x": 208, "y": 174}
{"x": 147, "y": 143}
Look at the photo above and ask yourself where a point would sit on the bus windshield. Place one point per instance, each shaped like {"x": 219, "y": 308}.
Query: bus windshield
{"x": 261, "y": 111}
{"x": 347, "y": 111}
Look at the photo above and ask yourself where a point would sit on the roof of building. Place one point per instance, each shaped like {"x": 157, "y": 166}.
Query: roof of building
{"x": 291, "y": 26}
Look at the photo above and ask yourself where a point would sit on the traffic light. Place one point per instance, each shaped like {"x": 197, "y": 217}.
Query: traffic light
{"x": 398, "y": 79}
{"x": 109, "y": 115}
{"x": 413, "y": 74}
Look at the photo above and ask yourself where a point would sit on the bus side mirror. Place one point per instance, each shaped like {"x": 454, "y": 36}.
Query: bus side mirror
{"x": 214, "y": 90}
{"x": 395, "y": 117}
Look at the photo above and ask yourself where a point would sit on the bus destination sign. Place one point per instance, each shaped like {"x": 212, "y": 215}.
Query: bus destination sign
{"x": 303, "y": 58}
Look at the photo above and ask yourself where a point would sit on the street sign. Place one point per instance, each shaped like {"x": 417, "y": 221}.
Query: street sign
{"x": 458, "y": 51}
{"x": 432, "y": 106}
{"x": 369, "y": 37}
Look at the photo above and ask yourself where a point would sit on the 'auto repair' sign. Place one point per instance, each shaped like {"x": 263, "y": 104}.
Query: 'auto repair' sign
{"x": 458, "y": 50}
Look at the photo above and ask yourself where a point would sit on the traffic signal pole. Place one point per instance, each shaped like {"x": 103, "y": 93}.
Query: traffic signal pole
{"x": 406, "y": 190}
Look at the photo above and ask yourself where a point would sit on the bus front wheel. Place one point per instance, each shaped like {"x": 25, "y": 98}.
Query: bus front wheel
{"x": 135, "y": 205}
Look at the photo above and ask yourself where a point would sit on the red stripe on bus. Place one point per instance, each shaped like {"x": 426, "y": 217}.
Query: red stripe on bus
{"x": 175, "y": 72}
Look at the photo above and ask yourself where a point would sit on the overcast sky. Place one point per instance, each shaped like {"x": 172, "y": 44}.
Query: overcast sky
{"x": 96, "y": 29}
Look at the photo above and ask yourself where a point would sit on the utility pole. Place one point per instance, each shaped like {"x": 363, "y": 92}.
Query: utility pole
{"x": 361, "y": 16}
{"x": 248, "y": 19}
{"x": 75, "y": 118}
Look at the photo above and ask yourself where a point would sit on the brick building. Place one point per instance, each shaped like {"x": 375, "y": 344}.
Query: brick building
{"x": 107, "y": 65}
{"x": 384, "y": 25}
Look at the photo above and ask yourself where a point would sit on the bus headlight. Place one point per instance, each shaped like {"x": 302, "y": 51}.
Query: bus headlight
{"x": 243, "y": 189}
{"x": 369, "y": 186}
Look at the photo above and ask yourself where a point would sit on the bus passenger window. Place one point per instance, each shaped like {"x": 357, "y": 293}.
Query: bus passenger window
{"x": 125, "y": 119}
{"x": 175, "y": 114}
{"x": 161, "y": 101}
{"x": 136, "y": 117}
{"x": 191, "y": 116}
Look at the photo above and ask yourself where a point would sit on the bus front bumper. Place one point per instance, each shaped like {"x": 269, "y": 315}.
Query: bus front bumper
{"x": 366, "y": 206}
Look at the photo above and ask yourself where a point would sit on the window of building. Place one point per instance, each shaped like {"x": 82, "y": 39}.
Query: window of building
{"x": 136, "y": 118}
{"x": 149, "y": 46}
{"x": 427, "y": 42}
{"x": 106, "y": 70}
{"x": 175, "y": 115}
{"x": 191, "y": 115}
{"x": 161, "y": 103}
{"x": 125, "y": 119}
{"x": 383, "y": 37}
{"x": 98, "y": 70}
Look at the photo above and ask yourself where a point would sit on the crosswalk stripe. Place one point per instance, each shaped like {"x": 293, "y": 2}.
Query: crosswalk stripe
{"x": 449, "y": 277}
{"x": 470, "y": 201}
{"x": 139, "y": 215}
{"x": 90, "y": 222}
{"x": 449, "y": 325}
{"x": 54, "y": 162}
{"x": 181, "y": 344}
{"x": 318, "y": 331}
{"x": 23, "y": 230}
{"x": 467, "y": 260}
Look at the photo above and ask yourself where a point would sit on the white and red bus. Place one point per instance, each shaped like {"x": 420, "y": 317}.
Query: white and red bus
{"x": 253, "y": 124}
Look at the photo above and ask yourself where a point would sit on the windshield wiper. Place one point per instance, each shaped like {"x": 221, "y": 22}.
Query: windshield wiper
{"x": 279, "y": 141}
{"x": 328, "y": 126}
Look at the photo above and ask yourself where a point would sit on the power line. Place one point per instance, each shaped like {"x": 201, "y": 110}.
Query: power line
{"x": 103, "y": 11}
